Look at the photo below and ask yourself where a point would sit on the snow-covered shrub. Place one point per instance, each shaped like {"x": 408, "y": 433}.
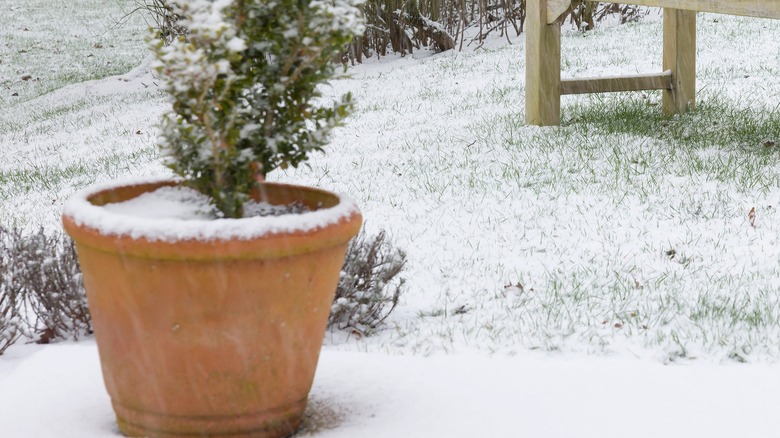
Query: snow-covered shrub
{"x": 56, "y": 292}
{"x": 11, "y": 323}
{"x": 369, "y": 287}
{"x": 41, "y": 295}
{"x": 11, "y": 326}
{"x": 244, "y": 89}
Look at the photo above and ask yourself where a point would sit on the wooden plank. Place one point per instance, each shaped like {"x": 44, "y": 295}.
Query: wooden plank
{"x": 748, "y": 8}
{"x": 556, "y": 9}
{"x": 612, "y": 84}
{"x": 680, "y": 57}
{"x": 542, "y": 66}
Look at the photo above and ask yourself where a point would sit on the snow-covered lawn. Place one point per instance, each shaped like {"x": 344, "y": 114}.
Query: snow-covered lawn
{"x": 598, "y": 279}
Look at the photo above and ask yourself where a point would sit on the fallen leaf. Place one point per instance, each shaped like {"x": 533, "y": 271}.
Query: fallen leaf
{"x": 518, "y": 285}
{"x": 752, "y": 217}
{"x": 461, "y": 310}
{"x": 46, "y": 336}
{"x": 26, "y": 77}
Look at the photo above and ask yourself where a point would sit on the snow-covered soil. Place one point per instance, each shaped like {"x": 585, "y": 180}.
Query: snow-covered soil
{"x": 181, "y": 213}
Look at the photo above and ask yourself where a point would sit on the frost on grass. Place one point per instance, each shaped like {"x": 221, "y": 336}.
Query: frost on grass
{"x": 41, "y": 294}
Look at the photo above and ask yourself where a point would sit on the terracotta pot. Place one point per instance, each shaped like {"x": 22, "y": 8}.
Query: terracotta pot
{"x": 208, "y": 336}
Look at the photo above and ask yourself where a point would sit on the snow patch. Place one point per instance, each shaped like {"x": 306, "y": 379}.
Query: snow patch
{"x": 167, "y": 203}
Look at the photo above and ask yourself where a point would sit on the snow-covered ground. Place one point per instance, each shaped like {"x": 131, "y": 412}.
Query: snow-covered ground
{"x": 57, "y": 391}
{"x": 552, "y": 271}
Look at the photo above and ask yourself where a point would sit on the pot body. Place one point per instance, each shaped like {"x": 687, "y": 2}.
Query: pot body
{"x": 214, "y": 337}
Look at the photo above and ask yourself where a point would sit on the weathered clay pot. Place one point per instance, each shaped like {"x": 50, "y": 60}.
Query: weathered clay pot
{"x": 209, "y": 336}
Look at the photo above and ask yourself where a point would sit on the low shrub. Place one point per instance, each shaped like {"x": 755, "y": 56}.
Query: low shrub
{"x": 41, "y": 276}
{"x": 11, "y": 322}
{"x": 401, "y": 26}
{"x": 42, "y": 295}
{"x": 369, "y": 287}
{"x": 160, "y": 17}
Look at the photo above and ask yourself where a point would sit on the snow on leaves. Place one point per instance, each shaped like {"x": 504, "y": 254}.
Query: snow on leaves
{"x": 243, "y": 87}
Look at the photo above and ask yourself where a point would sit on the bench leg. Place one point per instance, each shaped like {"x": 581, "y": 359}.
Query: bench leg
{"x": 542, "y": 67}
{"x": 680, "y": 58}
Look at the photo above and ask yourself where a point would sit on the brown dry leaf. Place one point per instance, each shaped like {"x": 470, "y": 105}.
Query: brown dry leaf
{"x": 752, "y": 217}
{"x": 518, "y": 285}
{"x": 46, "y": 336}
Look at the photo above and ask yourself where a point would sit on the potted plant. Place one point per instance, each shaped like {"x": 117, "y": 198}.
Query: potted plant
{"x": 210, "y": 293}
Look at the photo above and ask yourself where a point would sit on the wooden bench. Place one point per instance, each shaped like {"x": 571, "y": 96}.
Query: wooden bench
{"x": 544, "y": 86}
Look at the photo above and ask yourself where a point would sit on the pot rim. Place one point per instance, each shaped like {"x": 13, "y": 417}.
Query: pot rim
{"x": 82, "y": 213}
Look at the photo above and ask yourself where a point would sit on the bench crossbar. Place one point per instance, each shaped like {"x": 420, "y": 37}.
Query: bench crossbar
{"x": 611, "y": 84}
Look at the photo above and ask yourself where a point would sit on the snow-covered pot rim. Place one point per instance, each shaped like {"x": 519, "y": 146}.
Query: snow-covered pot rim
{"x": 333, "y": 220}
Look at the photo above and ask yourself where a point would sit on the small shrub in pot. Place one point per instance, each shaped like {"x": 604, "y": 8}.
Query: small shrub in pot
{"x": 244, "y": 90}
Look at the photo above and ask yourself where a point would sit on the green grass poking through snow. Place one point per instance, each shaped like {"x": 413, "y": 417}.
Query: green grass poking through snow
{"x": 619, "y": 231}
